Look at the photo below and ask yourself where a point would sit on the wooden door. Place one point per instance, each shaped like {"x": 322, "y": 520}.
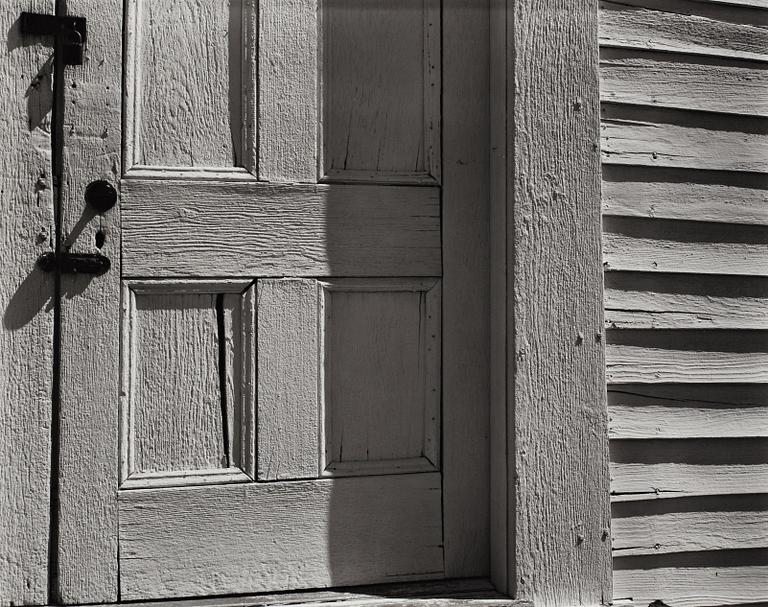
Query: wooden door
{"x": 298, "y": 295}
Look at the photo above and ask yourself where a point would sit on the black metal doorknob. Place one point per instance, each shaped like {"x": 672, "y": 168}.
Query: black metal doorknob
{"x": 101, "y": 195}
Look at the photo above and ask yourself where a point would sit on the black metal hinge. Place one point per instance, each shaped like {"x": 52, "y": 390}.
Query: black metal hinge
{"x": 70, "y": 33}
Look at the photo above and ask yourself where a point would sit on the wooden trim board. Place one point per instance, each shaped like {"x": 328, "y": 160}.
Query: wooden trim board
{"x": 550, "y": 480}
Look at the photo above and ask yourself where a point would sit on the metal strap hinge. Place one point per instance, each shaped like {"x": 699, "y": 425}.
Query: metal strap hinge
{"x": 70, "y": 33}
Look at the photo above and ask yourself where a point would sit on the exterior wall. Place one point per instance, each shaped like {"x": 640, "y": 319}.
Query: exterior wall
{"x": 684, "y": 86}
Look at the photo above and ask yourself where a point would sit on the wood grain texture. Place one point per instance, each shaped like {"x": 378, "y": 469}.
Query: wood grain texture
{"x": 648, "y": 309}
{"x": 381, "y": 89}
{"x": 558, "y": 420}
{"x": 176, "y": 399}
{"x": 653, "y": 411}
{"x": 288, "y": 96}
{"x": 691, "y": 201}
{"x": 381, "y": 375}
{"x": 662, "y": 81}
{"x": 640, "y": 364}
{"x": 288, "y": 379}
{"x": 643, "y": 481}
{"x": 646, "y": 143}
{"x": 187, "y": 410}
{"x": 685, "y": 227}
{"x": 186, "y": 83}
{"x": 647, "y": 253}
{"x": 465, "y": 283}
{"x": 693, "y": 586}
{"x": 261, "y": 537}
{"x": 90, "y": 326}
{"x": 672, "y": 532}
{"x": 26, "y": 332}
{"x": 662, "y": 422}
{"x": 624, "y": 25}
{"x": 318, "y": 230}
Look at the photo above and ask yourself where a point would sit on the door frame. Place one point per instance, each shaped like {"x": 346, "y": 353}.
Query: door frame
{"x": 549, "y": 481}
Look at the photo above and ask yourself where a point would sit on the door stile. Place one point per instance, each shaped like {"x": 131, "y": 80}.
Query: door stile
{"x": 465, "y": 220}
{"x": 90, "y": 312}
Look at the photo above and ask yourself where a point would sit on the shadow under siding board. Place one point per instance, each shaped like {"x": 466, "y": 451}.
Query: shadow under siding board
{"x": 627, "y": 26}
{"x": 683, "y": 82}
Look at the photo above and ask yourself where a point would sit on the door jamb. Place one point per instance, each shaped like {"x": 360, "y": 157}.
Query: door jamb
{"x": 550, "y": 484}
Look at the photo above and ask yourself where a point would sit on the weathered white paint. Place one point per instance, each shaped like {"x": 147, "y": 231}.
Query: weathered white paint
{"x": 655, "y": 79}
{"x": 645, "y": 142}
{"x": 660, "y": 252}
{"x": 182, "y": 411}
{"x": 633, "y": 26}
{"x": 382, "y": 103}
{"x": 90, "y": 326}
{"x": 687, "y": 422}
{"x": 644, "y": 481}
{"x": 646, "y": 309}
{"x": 184, "y": 226}
{"x": 198, "y": 541}
{"x": 381, "y": 352}
{"x": 701, "y": 530}
{"x": 288, "y": 375}
{"x": 646, "y": 364}
{"x": 694, "y": 586}
{"x": 687, "y": 201}
{"x": 26, "y": 330}
{"x": 288, "y": 78}
{"x": 558, "y": 550}
{"x": 317, "y": 230}
{"x": 188, "y": 79}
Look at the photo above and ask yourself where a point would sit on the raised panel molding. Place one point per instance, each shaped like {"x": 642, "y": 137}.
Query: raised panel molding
{"x": 187, "y": 398}
{"x": 190, "y": 87}
{"x": 381, "y": 87}
{"x": 380, "y": 343}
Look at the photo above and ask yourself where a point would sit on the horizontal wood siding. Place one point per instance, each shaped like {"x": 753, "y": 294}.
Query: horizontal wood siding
{"x": 684, "y": 91}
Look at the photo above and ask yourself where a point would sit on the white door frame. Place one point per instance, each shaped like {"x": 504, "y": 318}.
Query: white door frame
{"x": 549, "y": 494}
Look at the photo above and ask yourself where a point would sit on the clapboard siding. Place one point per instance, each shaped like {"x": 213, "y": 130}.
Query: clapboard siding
{"x": 684, "y": 91}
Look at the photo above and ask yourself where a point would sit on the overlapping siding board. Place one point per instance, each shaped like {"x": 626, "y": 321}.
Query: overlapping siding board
{"x": 684, "y": 90}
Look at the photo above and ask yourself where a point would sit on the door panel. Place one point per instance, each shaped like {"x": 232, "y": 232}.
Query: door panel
{"x": 188, "y": 406}
{"x": 381, "y": 101}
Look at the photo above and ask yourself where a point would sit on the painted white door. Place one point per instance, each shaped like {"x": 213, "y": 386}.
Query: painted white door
{"x": 298, "y": 295}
